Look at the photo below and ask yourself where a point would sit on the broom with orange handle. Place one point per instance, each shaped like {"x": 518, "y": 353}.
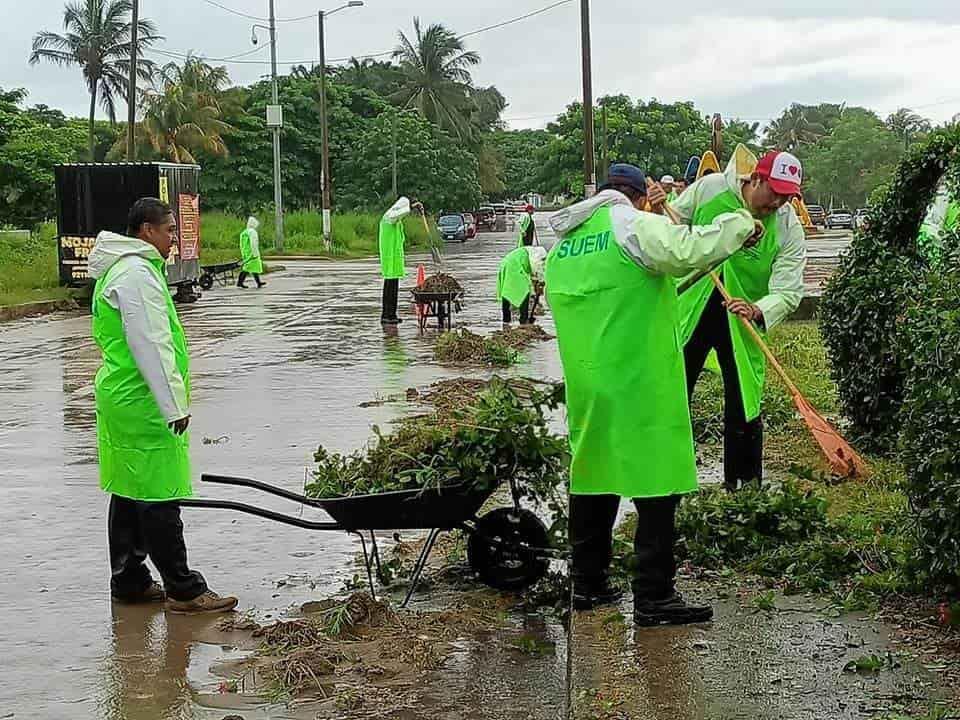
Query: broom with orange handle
{"x": 842, "y": 458}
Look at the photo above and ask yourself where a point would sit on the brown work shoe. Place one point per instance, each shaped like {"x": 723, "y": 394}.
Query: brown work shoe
{"x": 154, "y": 593}
{"x": 209, "y": 602}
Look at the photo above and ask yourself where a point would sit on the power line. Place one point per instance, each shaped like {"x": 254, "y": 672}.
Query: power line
{"x": 256, "y": 17}
{"x": 368, "y": 56}
{"x": 228, "y": 58}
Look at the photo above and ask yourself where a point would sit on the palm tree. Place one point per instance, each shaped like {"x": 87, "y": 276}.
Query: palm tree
{"x": 437, "y": 81}
{"x": 793, "y": 129}
{"x": 183, "y": 114}
{"x": 905, "y": 123}
{"x": 97, "y": 40}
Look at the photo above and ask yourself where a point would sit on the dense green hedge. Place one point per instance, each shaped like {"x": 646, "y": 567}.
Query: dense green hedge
{"x": 867, "y": 297}
{"x": 930, "y": 416}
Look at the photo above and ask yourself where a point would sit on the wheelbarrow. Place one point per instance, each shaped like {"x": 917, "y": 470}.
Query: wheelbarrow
{"x": 440, "y": 305}
{"x": 224, "y": 273}
{"x": 507, "y": 547}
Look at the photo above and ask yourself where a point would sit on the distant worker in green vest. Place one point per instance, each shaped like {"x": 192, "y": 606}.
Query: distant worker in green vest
{"x": 525, "y": 223}
{"x": 766, "y": 283}
{"x": 391, "y": 241}
{"x": 669, "y": 187}
{"x": 943, "y": 216}
{"x": 520, "y": 275}
{"x": 250, "y": 254}
{"x": 610, "y": 287}
{"x": 143, "y": 411}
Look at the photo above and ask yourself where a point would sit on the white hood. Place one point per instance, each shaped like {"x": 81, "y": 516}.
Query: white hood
{"x": 252, "y": 223}
{"x": 740, "y": 168}
{"x": 570, "y": 218}
{"x": 110, "y": 247}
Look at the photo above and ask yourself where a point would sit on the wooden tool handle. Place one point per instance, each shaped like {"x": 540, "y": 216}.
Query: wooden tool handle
{"x": 757, "y": 338}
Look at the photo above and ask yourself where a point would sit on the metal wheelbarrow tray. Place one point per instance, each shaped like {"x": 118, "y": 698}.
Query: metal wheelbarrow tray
{"x": 508, "y": 547}
{"x": 440, "y": 305}
{"x": 223, "y": 273}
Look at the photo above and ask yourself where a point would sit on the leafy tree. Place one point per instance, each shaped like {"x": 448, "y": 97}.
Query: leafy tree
{"x": 907, "y": 125}
{"x": 28, "y": 152}
{"x": 383, "y": 78}
{"x": 520, "y": 150}
{"x": 856, "y": 158}
{"x": 97, "y": 39}
{"x": 432, "y": 166}
{"x": 740, "y": 131}
{"x": 436, "y": 77}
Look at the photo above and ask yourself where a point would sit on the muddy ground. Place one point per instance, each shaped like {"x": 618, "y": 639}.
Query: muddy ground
{"x": 276, "y": 372}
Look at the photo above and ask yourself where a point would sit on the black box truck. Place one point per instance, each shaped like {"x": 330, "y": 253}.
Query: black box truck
{"x": 97, "y": 196}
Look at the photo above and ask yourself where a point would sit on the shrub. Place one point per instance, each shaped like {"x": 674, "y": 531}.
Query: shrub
{"x": 865, "y": 299}
{"x": 931, "y": 417}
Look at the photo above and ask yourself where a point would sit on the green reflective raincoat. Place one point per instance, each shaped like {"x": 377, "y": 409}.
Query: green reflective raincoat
{"x": 391, "y": 240}
{"x": 615, "y": 306}
{"x": 140, "y": 456}
{"x": 250, "y": 247}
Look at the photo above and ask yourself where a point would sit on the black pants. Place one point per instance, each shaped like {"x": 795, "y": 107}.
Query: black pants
{"x": 524, "y": 311}
{"x": 742, "y": 440}
{"x": 244, "y": 275}
{"x": 391, "y": 289}
{"x": 652, "y": 566}
{"x": 141, "y": 529}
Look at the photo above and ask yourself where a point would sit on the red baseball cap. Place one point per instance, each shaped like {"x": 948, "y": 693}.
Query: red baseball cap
{"x": 782, "y": 171}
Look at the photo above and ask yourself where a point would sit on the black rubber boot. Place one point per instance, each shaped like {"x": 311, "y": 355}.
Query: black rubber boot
{"x": 673, "y": 610}
{"x": 590, "y": 598}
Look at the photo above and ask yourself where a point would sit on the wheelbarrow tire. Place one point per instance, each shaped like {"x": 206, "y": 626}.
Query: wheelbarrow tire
{"x": 206, "y": 281}
{"x": 510, "y": 564}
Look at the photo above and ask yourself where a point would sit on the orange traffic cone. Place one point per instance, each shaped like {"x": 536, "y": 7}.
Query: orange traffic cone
{"x": 421, "y": 279}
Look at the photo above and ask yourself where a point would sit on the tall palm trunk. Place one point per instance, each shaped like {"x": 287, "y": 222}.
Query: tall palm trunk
{"x": 93, "y": 108}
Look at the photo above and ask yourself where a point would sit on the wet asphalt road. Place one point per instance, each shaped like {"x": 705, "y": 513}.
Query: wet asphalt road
{"x": 275, "y": 372}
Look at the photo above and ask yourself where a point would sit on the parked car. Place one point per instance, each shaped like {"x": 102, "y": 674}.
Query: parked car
{"x": 471, "y": 225}
{"x": 817, "y": 214}
{"x": 486, "y": 218}
{"x": 860, "y": 218}
{"x": 452, "y": 227}
{"x": 841, "y": 218}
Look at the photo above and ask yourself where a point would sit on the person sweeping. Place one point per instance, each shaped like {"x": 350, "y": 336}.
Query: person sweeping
{"x": 142, "y": 393}
{"x": 521, "y": 273}
{"x": 250, "y": 254}
{"x": 766, "y": 285}
{"x": 609, "y": 283}
{"x": 391, "y": 241}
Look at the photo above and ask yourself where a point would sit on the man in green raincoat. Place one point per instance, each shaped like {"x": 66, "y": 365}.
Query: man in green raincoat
{"x": 610, "y": 287}
{"x": 521, "y": 272}
{"x": 525, "y": 226}
{"x": 250, "y": 254}
{"x": 766, "y": 283}
{"x": 391, "y": 241}
{"x": 143, "y": 410}
{"x": 943, "y": 216}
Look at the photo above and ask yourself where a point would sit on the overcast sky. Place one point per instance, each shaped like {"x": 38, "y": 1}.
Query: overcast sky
{"x": 738, "y": 57}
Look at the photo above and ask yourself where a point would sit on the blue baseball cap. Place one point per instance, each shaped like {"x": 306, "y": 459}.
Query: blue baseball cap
{"x": 629, "y": 175}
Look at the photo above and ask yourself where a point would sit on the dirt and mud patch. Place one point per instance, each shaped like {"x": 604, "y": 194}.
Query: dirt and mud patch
{"x": 360, "y": 657}
{"x": 499, "y": 349}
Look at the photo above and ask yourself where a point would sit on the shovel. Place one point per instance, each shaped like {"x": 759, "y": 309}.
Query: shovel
{"x": 434, "y": 247}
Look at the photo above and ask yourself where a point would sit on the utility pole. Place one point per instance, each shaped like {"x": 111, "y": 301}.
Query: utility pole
{"x": 589, "y": 170}
{"x": 604, "y": 148}
{"x": 395, "y": 194}
{"x": 132, "y": 92}
{"x": 324, "y": 143}
{"x": 277, "y": 190}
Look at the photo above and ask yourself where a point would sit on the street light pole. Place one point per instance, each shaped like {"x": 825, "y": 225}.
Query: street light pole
{"x": 277, "y": 189}
{"x": 394, "y": 156}
{"x": 589, "y": 169}
{"x": 324, "y": 141}
{"x": 132, "y": 92}
{"x": 326, "y": 205}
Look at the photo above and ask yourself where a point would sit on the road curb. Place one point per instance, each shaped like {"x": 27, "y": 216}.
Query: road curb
{"x": 16, "y": 312}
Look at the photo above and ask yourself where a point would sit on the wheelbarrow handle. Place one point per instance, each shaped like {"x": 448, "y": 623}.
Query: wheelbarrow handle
{"x": 260, "y": 512}
{"x": 262, "y": 486}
